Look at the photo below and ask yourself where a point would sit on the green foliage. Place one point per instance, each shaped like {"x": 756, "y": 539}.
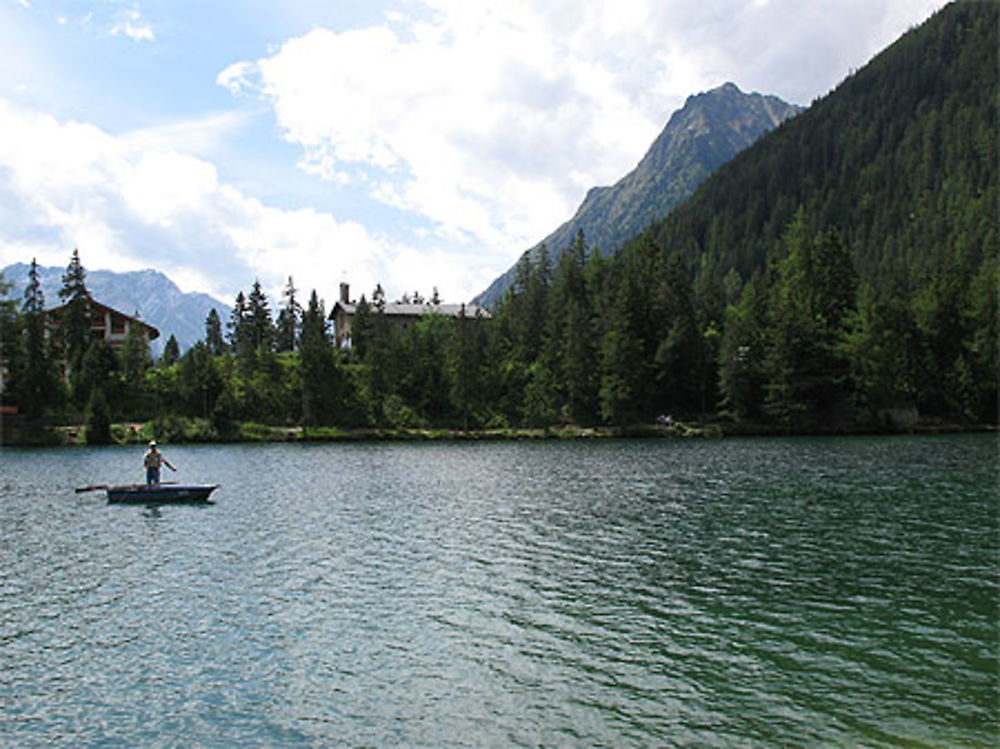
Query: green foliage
{"x": 97, "y": 418}
{"x": 213, "y": 334}
{"x": 174, "y": 428}
{"x": 321, "y": 378}
{"x": 99, "y": 370}
{"x": 75, "y": 318}
{"x": 11, "y": 343}
{"x": 286, "y": 333}
{"x": 171, "y": 352}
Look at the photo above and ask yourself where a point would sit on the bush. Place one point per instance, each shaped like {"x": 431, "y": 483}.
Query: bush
{"x": 97, "y": 419}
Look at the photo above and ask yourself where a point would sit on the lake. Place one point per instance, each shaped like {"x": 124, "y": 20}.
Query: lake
{"x": 737, "y": 592}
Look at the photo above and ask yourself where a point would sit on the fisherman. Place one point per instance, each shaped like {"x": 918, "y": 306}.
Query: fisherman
{"x": 152, "y": 460}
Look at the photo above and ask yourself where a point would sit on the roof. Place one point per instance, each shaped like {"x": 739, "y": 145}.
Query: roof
{"x": 418, "y": 310}
{"x": 153, "y": 332}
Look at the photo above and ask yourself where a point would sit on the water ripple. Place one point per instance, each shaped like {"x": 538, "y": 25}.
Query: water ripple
{"x": 738, "y": 593}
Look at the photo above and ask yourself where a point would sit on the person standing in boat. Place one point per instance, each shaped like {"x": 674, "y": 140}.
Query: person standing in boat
{"x": 152, "y": 460}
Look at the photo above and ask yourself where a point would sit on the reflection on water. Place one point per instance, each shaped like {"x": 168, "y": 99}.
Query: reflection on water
{"x": 747, "y": 592}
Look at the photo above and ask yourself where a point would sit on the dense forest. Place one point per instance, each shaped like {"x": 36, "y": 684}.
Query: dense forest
{"x": 842, "y": 273}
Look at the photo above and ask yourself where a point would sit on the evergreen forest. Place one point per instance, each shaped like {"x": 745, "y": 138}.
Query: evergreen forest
{"x": 840, "y": 274}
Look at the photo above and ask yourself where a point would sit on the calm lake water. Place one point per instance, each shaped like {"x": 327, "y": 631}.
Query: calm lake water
{"x": 801, "y": 592}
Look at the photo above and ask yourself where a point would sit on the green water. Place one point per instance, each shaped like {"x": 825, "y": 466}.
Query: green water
{"x": 801, "y": 592}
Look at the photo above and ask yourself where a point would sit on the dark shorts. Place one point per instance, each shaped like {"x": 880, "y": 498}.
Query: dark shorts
{"x": 152, "y": 475}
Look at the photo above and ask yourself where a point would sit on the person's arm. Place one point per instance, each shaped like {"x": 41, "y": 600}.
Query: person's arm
{"x": 167, "y": 464}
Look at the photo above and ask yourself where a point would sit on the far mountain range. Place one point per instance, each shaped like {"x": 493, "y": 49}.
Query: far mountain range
{"x": 146, "y": 294}
{"x": 709, "y": 130}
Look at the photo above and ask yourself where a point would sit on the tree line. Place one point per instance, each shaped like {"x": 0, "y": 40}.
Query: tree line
{"x": 803, "y": 344}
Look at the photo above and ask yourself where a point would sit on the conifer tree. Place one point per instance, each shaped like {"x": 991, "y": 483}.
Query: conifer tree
{"x": 622, "y": 364}
{"x": 99, "y": 370}
{"x": 464, "y": 366}
{"x": 97, "y": 418}
{"x": 361, "y": 329}
{"x": 742, "y": 353}
{"x": 199, "y": 382}
{"x": 287, "y": 327}
{"x": 318, "y": 367}
{"x": 679, "y": 357}
{"x": 36, "y": 385}
{"x": 75, "y": 323}
{"x": 258, "y": 320}
{"x": 135, "y": 359}
{"x": 213, "y": 334}
{"x": 11, "y": 344}
{"x": 239, "y": 331}
{"x": 569, "y": 340}
{"x": 171, "y": 352}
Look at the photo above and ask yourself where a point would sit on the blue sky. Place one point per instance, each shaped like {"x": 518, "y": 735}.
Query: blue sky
{"x": 416, "y": 143}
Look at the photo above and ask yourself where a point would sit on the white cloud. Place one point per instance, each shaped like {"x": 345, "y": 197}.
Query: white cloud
{"x": 473, "y": 120}
{"x": 130, "y": 24}
{"x": 491, "y": 120}
{"x": 200, "y": 135}
{"x": 127, "y": 205}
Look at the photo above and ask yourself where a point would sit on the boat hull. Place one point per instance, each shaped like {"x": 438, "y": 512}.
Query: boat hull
{"x": 160, "y": 494}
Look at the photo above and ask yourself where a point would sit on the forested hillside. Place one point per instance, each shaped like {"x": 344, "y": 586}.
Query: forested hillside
{"x": 901, "y": 159}
{"x": 897, "y": 170}
{"x": 841, "y": 273}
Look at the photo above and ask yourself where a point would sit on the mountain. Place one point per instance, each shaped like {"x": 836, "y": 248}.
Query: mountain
{"x": 900, "y": 159}
{"x": 850, "y": 258}
{"x": 152, "y": 295}
{"x": 706, "y": 132}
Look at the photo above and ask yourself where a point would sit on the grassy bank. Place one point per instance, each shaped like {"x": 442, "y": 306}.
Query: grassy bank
{"x": 192, "y": 431}
{"x": 181, "y": 431}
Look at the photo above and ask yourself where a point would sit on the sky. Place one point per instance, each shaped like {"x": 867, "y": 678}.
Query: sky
{"x": 419, "y": 144}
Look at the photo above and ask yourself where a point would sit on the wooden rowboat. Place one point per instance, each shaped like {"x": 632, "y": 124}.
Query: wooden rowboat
{"x": 160, "y": 493}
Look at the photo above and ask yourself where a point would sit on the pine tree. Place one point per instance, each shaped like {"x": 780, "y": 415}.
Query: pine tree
{"x": 199, "y": 382}
{"x": 97, "y": 418}
{"x": 37, "y": 386}
{"x": 258, "y": 320}
{"x": 464, "y": 366}
{"x": 379, "y": 356}
{"x": 742, "y": 353}
{"x": 75, "y": 323}
{"x": 239, "y": 332}
{"x": 811, "y": 298}
{"x": 287, "y": 328}
{"x": 234, "y": 328}
{"x": 135, "y": 359}
{"x": 361, "y": 329}
{"x": 569, "y": 340}
{"x": 99, "y": 370}
{"x": 171, "y": 353}
{"x": 11, "y": 343}
{"x": 679, "y": 357}
{"x": 213, "y": 334}
{"x": 878, "y": 344}
{"x": 318, "y": 369}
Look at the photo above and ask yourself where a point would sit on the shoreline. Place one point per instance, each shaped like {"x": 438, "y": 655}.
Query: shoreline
{"x": 199, "y": 432}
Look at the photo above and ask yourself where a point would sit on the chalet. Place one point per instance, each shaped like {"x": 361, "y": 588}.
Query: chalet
{"x": 401, "y": 315}
{"x": 106, "y": 323}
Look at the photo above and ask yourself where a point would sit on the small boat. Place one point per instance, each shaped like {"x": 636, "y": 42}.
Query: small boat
{"x": 161, "y": 493}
